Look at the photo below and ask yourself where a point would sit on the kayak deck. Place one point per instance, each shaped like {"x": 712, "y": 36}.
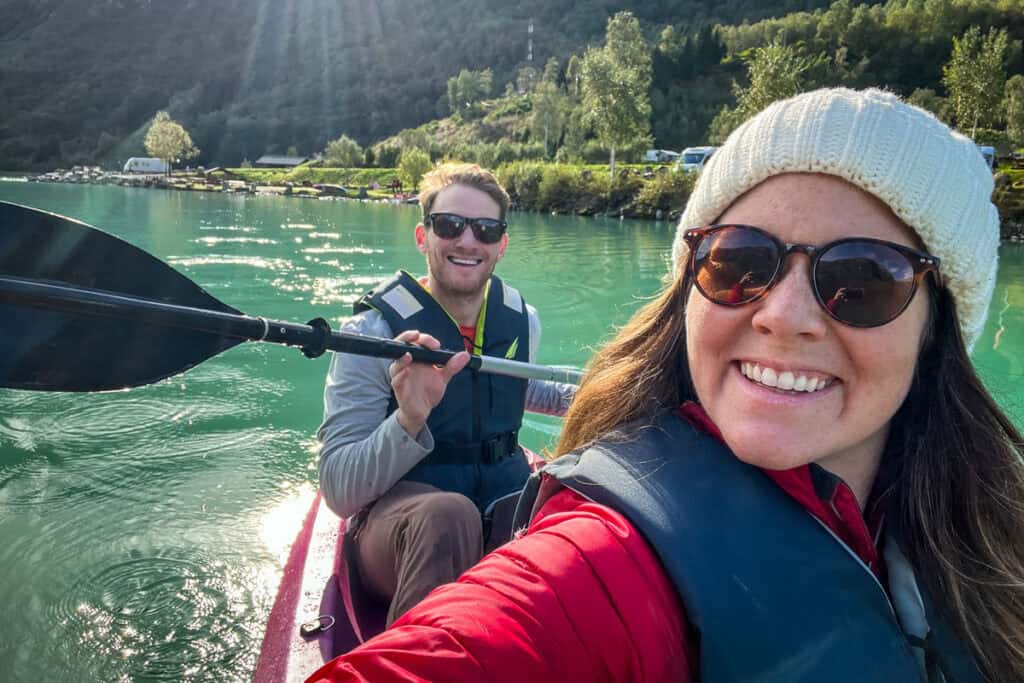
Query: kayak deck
{"x": 315, "y": 585}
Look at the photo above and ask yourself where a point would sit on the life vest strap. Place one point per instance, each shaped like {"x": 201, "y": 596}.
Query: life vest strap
{"x": 488, "y": 451}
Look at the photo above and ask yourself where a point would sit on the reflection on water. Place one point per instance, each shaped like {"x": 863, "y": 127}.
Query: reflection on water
{"x": 999, "y": 354}
{"x": 280, "y": 524}
{"x": 145, "y": 530}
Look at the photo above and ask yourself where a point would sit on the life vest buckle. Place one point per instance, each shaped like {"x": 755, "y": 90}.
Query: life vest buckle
{"x": 499, "y": 447}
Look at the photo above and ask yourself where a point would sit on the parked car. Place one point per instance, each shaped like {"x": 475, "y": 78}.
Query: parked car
{"x": 660, "y": 155}
{"x": 693, "y": 159}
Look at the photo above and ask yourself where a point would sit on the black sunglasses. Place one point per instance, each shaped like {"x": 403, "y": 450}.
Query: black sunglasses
{"x": 449, "y": 226}
{"x": 859, "y": 281}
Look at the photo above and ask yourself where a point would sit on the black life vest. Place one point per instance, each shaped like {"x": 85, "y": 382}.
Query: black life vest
{"x": 475, "y": 426}
{"x": 772, "y": 594}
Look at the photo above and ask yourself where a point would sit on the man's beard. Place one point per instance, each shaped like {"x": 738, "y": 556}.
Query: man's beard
{"x": 460, "y": 288}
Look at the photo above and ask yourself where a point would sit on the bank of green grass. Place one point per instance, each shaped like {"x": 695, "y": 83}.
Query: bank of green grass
{"x": 349, "y": 177}
{"x": 636, "y": 191}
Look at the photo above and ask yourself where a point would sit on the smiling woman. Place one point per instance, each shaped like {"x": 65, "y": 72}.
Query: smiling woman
{"x": 898, "y": 454}
{"x": 865, "y": 372}
{"x": 793, "y": 459}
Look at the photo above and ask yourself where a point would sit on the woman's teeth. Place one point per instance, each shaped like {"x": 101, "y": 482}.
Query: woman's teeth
{"x": 785, "y": 380}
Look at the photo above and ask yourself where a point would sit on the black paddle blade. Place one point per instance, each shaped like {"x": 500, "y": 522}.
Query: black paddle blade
{"x": 49, "y": 350}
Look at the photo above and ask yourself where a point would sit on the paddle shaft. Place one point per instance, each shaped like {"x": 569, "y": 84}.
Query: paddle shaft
{"x": 313, "y": 338}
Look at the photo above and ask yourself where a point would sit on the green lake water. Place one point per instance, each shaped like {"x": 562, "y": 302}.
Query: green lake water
{"x": 144, "y": 531}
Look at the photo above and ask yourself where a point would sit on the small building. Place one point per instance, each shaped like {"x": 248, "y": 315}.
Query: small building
{"x": 275, "y": 161}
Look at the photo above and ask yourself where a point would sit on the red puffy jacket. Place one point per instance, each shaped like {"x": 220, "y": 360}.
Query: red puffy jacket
{"x": 580, "y": 597}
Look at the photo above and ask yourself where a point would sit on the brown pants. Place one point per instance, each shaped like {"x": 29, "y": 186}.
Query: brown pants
{"x": 413, "y": 539}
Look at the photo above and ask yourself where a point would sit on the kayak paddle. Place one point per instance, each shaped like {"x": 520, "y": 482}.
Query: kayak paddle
{"x": 87, "y": 311}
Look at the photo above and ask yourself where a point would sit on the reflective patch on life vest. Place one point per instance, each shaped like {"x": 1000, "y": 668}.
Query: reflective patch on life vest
{"x": 511, "y": 353}
{"x": 402, "y": 300}
{"x": 512, "y": 298}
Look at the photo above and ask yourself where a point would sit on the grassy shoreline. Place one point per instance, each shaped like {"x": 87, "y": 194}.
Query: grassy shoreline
{"x": 644, "y": 191}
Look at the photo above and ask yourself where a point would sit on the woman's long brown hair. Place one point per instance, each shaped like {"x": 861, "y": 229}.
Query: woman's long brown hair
{"x": 642, "y": 371}
{"x": 956, "y": 460}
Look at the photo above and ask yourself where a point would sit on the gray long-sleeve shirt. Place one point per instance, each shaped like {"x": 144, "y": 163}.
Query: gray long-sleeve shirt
{"x": 363, "y": 450}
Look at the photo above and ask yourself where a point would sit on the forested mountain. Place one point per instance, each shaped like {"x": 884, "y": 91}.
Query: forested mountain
{"x": 80, "y": 79}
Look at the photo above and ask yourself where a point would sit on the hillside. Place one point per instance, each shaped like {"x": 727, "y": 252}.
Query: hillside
{"x": 249, "y": 77}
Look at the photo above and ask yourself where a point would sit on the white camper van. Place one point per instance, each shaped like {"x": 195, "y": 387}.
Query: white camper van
{"x": 694, "y": 158}
{"x": 146, "y": 165}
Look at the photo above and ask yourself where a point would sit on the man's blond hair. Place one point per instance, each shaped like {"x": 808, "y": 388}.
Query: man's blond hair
{"x": 470, "y": 175}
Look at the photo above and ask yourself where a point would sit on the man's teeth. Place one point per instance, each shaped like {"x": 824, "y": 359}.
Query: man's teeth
{"x": 784, "y": 380}
{"x": 464, "y": 261}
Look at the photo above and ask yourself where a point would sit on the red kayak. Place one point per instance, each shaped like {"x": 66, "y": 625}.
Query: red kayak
{"x": 318, "y": 614}
{"x": 321, "y": 609}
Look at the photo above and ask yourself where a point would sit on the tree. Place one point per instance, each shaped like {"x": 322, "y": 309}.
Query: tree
{"x": 975, "y": 78}
{"x": 167, "y": 140}
{"x": 616, "y": 79}
{"x": 573, "y": 76}
{"x": 343, "y": 152}
{"x": 547, "y": 120}
{"x": 927, "y": 99}
{"x": 577, "y": 128}
{"x": 412, "y": 165}
{"x": 466, "y": 90}
{"x": 776, "y": 71}
{"x": 551, "y": 71}
{"x": 1013, "y": 104}
{"x": 671, "y": 44}
{"x": 526, "y": 80}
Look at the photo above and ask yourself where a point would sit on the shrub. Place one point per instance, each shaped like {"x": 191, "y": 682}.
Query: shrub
{"x": 666, "y": 192}
{"x": 301, "y": 174}
{"x": 387, "y": 155}
{"x": 412, "y": 165}
{"x": 573, "y": 189}
{"x": 558, "y": 189}
{"x": 522, "y": 182}
{"x": 996, "y": 138}
{"x": 343, "y": 152}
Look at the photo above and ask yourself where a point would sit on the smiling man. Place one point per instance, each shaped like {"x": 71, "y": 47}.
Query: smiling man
{"x": 421, "y": 455}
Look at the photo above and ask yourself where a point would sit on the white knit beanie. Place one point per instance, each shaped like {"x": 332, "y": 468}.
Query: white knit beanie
{"x": 932, "y": 178}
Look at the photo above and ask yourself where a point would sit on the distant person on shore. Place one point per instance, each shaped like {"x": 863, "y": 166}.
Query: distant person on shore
{"x": 423, "y": 456}
{"x": 784, "y": 468}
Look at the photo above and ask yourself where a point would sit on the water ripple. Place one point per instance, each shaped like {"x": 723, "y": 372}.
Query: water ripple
{"x": 212, "y": 241}
{"x": 341, "y": 250}
{"x": 229, "y": 228}
{"x": 163, "y": 618}
{"x": 225, "y": 260}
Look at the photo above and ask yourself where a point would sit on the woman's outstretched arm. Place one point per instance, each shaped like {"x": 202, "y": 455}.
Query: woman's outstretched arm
{"x": 581, "y": 597}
